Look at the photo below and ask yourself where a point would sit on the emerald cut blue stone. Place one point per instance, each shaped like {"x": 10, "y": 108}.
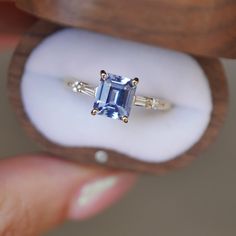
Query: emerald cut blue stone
{"x": 114, "y": 96}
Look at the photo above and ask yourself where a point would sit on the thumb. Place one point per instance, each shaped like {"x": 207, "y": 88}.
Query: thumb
{"x": 39, "y": 192}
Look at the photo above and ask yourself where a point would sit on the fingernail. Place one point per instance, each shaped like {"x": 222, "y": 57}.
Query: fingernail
{"x": 98, "y": 194}
{"x": 91, "y": 191}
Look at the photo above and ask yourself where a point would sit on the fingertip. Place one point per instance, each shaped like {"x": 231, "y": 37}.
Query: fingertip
{"x": 99, "y": 193}
{"x": 54, "y": 190}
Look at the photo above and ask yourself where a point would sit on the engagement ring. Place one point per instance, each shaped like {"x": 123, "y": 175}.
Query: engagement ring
{"x": 115, "y": 96}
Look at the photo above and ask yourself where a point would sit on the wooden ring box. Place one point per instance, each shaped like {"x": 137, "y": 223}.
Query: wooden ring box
{"x": 145, "y": 23}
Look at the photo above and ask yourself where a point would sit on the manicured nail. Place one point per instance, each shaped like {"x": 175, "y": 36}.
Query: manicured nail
{"x": 92, "y": 191}
{"x": 98, "y": 194}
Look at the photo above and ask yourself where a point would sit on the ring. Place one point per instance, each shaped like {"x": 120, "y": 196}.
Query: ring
{"x": 115, "y": 96}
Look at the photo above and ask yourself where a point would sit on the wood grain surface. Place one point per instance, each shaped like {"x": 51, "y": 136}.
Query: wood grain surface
{"x": 212, "y": 68}
{"x": 204, "y": 27}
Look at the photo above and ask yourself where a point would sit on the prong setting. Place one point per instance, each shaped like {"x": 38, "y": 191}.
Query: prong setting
{"x": 125, "y": 119}
{"x": 135, "y": 82}
{"x": 94, "y": 112}
{"x": 103, "y": 74}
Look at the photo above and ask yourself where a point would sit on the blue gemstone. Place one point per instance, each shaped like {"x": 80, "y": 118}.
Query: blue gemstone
{"x": 114, "y": 96}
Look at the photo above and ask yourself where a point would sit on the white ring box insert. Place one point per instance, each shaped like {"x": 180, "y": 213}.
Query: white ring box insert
{"x": 64, "y": 117}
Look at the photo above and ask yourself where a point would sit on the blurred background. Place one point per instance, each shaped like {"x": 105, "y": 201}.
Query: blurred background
{"x": 199, "y": 200}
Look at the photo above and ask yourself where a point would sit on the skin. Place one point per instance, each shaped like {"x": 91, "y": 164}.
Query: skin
{"x": 38, "y": 192}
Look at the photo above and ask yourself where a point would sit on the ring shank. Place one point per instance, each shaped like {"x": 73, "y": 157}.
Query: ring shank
{"x": 152, "y": 103}
{"x": 141, "y": 101}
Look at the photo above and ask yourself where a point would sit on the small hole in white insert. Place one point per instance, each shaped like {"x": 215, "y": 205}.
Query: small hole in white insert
{"x": 101, "y": 156}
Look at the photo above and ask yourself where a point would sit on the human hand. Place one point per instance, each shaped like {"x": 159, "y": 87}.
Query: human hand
{"x": 39, "y": 192}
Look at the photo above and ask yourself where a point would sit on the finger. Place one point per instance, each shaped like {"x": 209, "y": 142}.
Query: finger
{"x": 39, "y": 192}
{"x": 13, "y": 23}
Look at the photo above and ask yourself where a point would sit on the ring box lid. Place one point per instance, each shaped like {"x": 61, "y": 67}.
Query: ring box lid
{"x": 206, "y": 28}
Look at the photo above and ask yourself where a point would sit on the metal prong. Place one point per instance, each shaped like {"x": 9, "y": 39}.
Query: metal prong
{"x": 135, "y": 81}
{"x": 125, "y": 119}
{"x": 103, "y": 74}
{"x": 94, "y": 112}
